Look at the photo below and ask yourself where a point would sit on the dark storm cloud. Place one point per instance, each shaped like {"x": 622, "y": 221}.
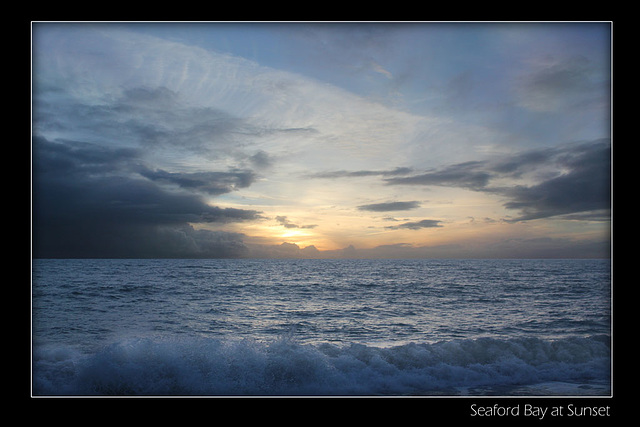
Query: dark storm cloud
{"x": 92, "y": 197}
{"x": 476, "y": 175}
{"x": 100, "y": 179}
{"x": 580, "y": 184}
{"x": 390, "y": 206}
{"x": 425, "y": 223}
{"x": 185, "y": 241}
{"x": 518, "y": 164}
{"x": 87, "y": 201}
{"x": 66, "y": 159}
{"x": 213, "y": 183}
{"x": 576, "y": 185}
{"x": 585, "y": 188}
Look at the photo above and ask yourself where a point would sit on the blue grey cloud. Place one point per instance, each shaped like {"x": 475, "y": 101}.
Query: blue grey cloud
{"x": 417, "y": 225}
{"x": 466, "y": 175}
{"x": 580, "y": 185}
{"x": 213, "y": 183}
{"x": 362, "y": 173}
{"x": 89, "y": 202}
{"x": 585, "y": 188}
{"x": 284, "y": 221}
{"x": 390, "y": 206}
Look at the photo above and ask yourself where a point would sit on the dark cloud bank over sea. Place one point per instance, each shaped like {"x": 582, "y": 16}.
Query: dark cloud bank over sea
{"x": 92, "y": 201}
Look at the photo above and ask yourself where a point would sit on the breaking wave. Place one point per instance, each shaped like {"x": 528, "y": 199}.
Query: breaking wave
{"x": 211, "y": 367}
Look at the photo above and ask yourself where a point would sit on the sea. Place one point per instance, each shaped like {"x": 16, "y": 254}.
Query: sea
{"x": 305, "y": 327}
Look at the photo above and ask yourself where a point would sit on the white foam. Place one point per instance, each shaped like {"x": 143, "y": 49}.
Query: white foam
{"x": 200, "y": 366}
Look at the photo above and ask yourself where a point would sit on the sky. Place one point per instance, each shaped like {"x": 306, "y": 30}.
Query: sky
{"x": 321, "y": 140}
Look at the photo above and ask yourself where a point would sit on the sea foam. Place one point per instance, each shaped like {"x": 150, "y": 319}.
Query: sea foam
{"x": 213, "y": 367}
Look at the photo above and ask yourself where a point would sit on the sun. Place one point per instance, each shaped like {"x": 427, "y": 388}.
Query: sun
{"x": 295, "y": 234}
{"x": 300, "y": 237}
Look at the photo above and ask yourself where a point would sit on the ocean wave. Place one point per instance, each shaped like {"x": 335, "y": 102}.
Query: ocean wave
{"x": 213, "y": 367}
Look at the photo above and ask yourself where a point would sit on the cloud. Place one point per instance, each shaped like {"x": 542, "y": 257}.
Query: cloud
{"x": 361, "y": 173}
{"x": 425, "y": 223}
{"x": 356, "y": 47}
{"x": 186, "y": 242}
{"x": 466, "y": 175}
{"x": 554, "y": 83}
{"x": 185, "y": 104}
{"x": 150, "y": 118}
{"x": 543, "y": 247}
{"x": 586, "y": 187}
{"x": 261, "y": 160}
{"x": 136, "y": 134}
{"x": 88, "y": 201}
{"x": 288, "y": 224}
{"x": 571, "y": 179}
{"x": 379, "y": 69}
{"x": 287, "y": 250}
{"x": 212, "y": 183}
{"x": 510, "y": 248}
{"x": 390, "y": 206}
